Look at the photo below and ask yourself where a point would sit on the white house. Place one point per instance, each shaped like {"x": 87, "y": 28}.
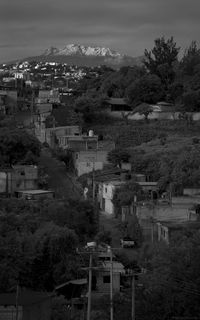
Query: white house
{"x": 106, "y": 195}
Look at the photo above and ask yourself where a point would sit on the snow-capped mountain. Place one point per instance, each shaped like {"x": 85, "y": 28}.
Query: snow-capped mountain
{"x": 81, "y": 50}
{"x": 89, "y": 56}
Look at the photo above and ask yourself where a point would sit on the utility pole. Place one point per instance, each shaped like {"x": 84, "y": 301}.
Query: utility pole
{"x": 133, "y": 298}
{"x": 89, "y": 288}
{"x": 111, "y": 282}
{"x": 17, "y": 301}
{"x": 93, "y": 183}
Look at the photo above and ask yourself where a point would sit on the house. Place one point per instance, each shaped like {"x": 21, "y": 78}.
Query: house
{"x": 118, "y": 104}
{"x": 31, "y": 305}
{"x": 150, "y": 187}
{"x": 106, "y": 193}
{"x": 58, "y": 136}
{"x": 54, "y": 136}
{"x": 86, "y": 161}
{"x": 48, "y": 96}
{"x": 18, "y": 177}
{"x": 24, "y": 177}
{"x": 103, "y": 276}
{"x": 73, "y": 288}
{"x": 178, "y": 210}
{"x": 194, "y": 212}
{"x": 78, "y": 142}
{"x": 43, "y": 108}
{"x": 168, "y": 229}
{"x": 89, "y": 154}
{"x": 111, "y": 180}
{"x": 35, "y": 194}
{"x": 75, "y": 292}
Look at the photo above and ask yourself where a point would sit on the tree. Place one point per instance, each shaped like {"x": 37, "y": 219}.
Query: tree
{"x": 15, "y": 144}
{"x": 89, "y": 106}
{"x": 118, "y": 156}
{"x": 55, "y": 256}
{"x": 172, "y": 276}
{"x": 191, "y": 59}
{"x": 191, "y": 101}
{"x": 115, "y": 84}
{"x": 147, "y": 89}
{"x": 160, "y": 60}
{"x": 134, "y": 230}
{"x": 144, "y": 109}
{"x": 175, "y": 92}
{"x": 67, "y": 157}
{"x": 124, "y": 196}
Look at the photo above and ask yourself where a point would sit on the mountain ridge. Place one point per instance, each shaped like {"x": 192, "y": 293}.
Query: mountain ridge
{"x": 82, "y": 50}
{"x": 89, "y": 56}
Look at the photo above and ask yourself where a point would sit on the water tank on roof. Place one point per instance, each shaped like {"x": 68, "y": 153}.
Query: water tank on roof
{"x": 91, "y": 133}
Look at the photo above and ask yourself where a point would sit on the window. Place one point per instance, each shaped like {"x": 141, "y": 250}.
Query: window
{"x": 106, "y": 279}
{"x": 106, "y": 190}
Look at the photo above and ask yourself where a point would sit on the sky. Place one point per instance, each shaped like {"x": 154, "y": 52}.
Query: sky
{"x": 29, "y": 27}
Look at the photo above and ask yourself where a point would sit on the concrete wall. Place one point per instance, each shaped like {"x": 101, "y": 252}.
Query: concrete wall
{"x": 105, "y": 287}
{"x": 19, "y": 178}
{"x": 3, "y": 181}
{"x": 9, "y": 312}
{"x": 154, "y": 115}
{"x": 24, "y": 178}
{"x": 108, "y": 191}
{"x": 191, "y": 191}
{"x": 86, "y": 167}
{"x": 26, "y": 196}
{"x": 61, "y": 134}
{"x": 85, "y": 160}
{"x": 109, "y": 206}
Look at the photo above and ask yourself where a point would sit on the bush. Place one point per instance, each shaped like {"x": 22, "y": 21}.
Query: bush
{"x": 195, "y": 140}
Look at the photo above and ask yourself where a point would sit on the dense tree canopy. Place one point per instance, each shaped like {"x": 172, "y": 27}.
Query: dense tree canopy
{"x": 16, "y": 145}
{"x": 38, "y": 241}
{"x": 118, "y": 156}
{"x": 172, "y": 281}
{"x": 176, "y": 165}
{"x": 117, "y": 83}
{"x": 147, "y": 89}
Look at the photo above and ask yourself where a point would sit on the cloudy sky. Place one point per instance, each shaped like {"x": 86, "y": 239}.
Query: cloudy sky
{"x": 28, "y": 27}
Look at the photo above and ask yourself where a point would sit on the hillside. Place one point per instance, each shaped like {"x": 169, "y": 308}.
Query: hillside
{"x": 138, "y": 132}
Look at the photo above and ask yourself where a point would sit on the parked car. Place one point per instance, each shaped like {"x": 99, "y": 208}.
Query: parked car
{"x": 127, "y": 242}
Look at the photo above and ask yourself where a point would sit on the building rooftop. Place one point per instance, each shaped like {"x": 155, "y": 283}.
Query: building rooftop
{"x": 39, "y": 191}
{"x": 147, "y": 183}
{"x": 118, "y": 101}
{"x": 75, "y": 282}
{"x": 116, "y": 182}
{"x": 117, "y": 266}
{"x": 175, "y": 225}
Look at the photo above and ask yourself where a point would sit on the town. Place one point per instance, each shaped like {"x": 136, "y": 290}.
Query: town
{"x": 100, "y": 188}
